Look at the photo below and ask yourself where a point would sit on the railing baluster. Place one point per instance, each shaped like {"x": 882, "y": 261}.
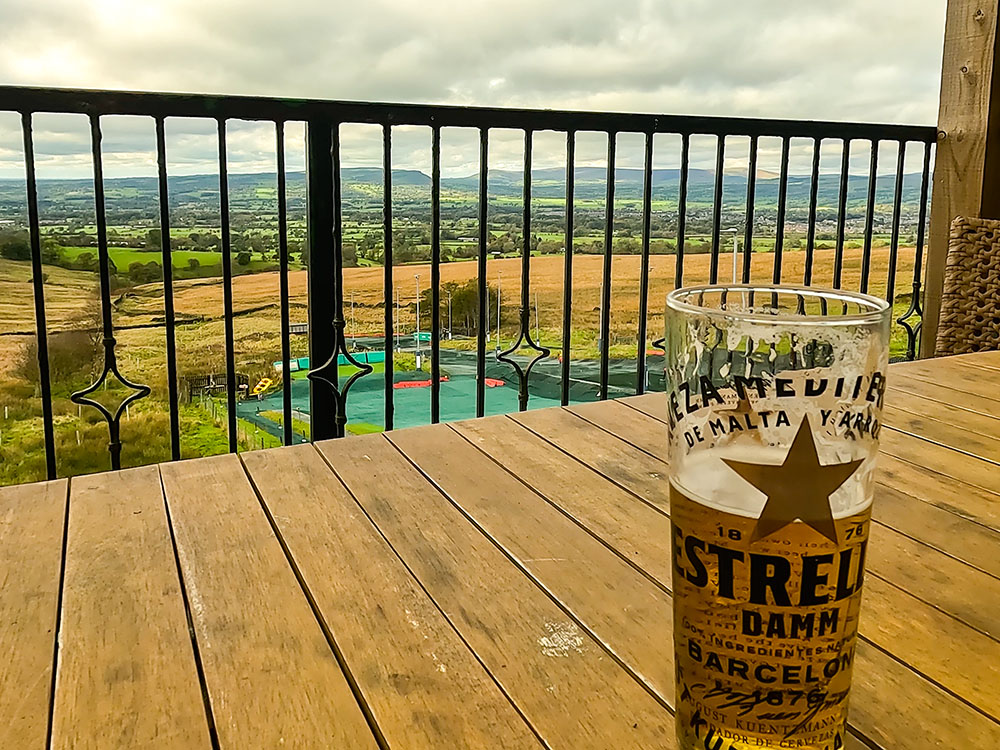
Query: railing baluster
{"x": 524, "y": 335}
{"x": 890, "y": 286}
{"x": 720, "y": 168}
{"x": 779, "y": 230}
{"x": 682, "y": 194}
{"x": 482, "y": 320}
{"x": 813, "y": 199}
{"x": 107, "y": 324}
{"x": 568, "y": 267}
{"x": 647, "y": 202}
{"x": 526, "y": 262}
{"x": 866, "y": 260}
{"x": 340, "y": 416}
{"x": 916, "y": 309}
{"x": 387, "y": 270}
{"x": 322, "y": 311}
{"x": 435, "y": 275}
{"x": 751, "y": 205}
{"x": 168, "y": 289}
{"x": 286, "y": 354}
{"x": 609, "y": 228}
{"x": 38, "y": 284}
{"x": 227, "y": 286}
{"x": 336, "y": 275}
{"x": 838, "y": 258}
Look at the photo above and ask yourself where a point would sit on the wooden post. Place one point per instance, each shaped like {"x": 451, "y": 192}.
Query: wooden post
{"x": 967, "y": 164}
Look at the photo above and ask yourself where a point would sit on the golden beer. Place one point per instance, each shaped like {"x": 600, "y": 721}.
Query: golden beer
{"x": 772, "y": 461}
{"x": 765, "y": 631}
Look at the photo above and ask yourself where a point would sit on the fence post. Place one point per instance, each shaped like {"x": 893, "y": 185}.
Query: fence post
{"x": 967, "y": 164}
{"x": 319, "y": 220}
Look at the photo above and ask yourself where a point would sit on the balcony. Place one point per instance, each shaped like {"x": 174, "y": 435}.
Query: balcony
{"x": 555, "y": 275}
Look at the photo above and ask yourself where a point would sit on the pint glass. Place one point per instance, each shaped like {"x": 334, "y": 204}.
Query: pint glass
{"x": 774, "y": 401}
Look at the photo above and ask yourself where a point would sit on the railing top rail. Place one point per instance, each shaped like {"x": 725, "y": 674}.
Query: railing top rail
{"x": 96, "y": 102}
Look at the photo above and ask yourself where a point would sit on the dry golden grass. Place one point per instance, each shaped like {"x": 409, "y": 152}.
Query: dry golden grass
{"x": 204, "y": 296}
{"x": 70, "y": 294}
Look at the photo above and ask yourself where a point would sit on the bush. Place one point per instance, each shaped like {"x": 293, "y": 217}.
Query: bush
{"x": 144, "y": 273}
{"x": 71, "y": 353}
{"x": 16, "y": 248}
{"x": 85, "y": 262}
{"x": 243, "y": 259}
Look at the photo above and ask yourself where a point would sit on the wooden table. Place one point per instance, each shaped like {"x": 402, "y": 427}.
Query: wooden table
{"x": 500, "y": 583}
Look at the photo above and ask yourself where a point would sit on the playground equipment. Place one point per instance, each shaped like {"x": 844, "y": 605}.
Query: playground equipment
{"x": 262, "y": 386}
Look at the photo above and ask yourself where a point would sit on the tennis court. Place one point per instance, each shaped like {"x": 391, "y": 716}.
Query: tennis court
{"x": 366, "y": 403}
{"x": 366, "y": 400}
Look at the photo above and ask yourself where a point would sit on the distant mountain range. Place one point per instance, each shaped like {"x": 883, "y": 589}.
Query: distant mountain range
{"x": 362, "y": 186}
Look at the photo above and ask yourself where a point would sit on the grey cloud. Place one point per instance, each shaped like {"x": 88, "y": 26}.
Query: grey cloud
{"x": 851, "y": 60}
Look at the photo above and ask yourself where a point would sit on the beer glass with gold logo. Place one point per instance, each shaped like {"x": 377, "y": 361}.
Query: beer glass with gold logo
{"x": 774, "y": 402}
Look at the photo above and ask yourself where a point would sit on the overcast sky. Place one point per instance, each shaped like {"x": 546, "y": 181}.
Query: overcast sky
{"x": 812, "y": 59}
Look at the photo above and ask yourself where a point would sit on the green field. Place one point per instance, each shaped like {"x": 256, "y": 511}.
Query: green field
{"x": 123, "y": 257}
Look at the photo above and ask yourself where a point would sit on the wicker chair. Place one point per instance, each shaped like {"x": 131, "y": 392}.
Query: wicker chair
{"x": 970, "y": 305}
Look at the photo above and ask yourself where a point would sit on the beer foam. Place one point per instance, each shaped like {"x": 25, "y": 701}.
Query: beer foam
{"x": 704, "y": 477}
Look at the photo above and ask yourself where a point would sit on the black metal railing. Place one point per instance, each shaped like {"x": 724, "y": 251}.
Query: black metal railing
{"x": 323, "y": 121}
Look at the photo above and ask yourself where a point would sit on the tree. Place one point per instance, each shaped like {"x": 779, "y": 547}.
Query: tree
{"x": 350, "y": 255}
{"x": 239, "y": 242}
{"x": 85, "y": 262}
{"x": 51, "y": 251}
{"x": 16, "y": 248}
{"x": 144, "y": 273}
{"x": 153, "y": 239}
{"x": 465, "y": 306}
{"x": 243, "y": 259}
{"x": 193, "y": 264}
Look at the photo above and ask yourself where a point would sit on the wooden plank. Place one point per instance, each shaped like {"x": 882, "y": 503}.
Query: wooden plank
{"x": 552, "y": 669}
{"x": 620, "y": 422}
{"x": 626, "y": 612}
{"x": 980, "y": 425}
{"x": 937, "y": 663}
{"x": 943, "y": 645}
{"x": 31, "y": 542}
{"x": 962, "y": 402}
{"x": 924, "y": 718}
{"x": 948, "y": 584}
{"x": 951, "y": 463}
{"x": 952, "y": 374}
{"x": 270, "y": 673}
{"x": 550, "y": 547}
{"x": 919, "y": 480}
{"x": 986, "y": 360}
{"x": 941, "y": 529}
{"x": 126, "y": 671}
{"x": 423, "y": 686}
{"x": 967, "y": 162}
{"x": 969, "y": 594}
{"x": 615, "y": 515}
{"x": 932, "y": 487}
{"x": 938, "y": 516}
{"x": 891, "y": 555}
{"x": 651, "y": 404}
{"x": 955, "y": 435}
{"x": 641, "y": 474}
